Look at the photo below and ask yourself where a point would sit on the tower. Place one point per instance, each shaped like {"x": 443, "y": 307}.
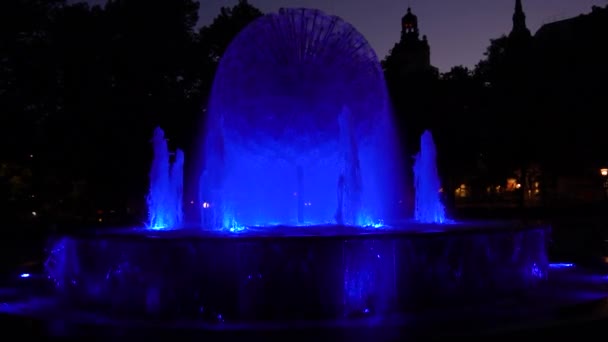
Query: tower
{"x": 519, "y": 30}
{"x": 409, "y": 26}
{"x": 519, "y": 43}
{"x": 411, "y": 54}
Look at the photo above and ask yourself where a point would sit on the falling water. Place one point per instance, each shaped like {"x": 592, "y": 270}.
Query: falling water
{"x": 349, "y": 179}
{"x": 176, "y": 178}
{"x": 300, "y": 132}
{"x": 429, "y": 208}
{"x": 166, "y": 185}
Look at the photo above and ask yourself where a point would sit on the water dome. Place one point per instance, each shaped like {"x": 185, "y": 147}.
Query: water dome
{"x": 299, "y": 128}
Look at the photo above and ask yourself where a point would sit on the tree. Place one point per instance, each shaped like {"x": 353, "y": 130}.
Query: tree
{"x": 94, "y": 82}
{"x": 215, "y": 38}
{"x": 27, "y": 77}
{"x": 491, "y": 69}
{"x": 508, "y": 74}
{"x": 28, "y": 96}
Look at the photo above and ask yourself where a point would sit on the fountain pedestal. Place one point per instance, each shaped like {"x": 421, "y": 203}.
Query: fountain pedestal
{"x": 289, "y": 273}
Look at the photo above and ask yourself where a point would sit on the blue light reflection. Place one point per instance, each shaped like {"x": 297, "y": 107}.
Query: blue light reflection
{"x": 560, "y": 265}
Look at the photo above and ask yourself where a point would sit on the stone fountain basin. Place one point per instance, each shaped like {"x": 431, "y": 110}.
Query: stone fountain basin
{"x": 296, "y": 273}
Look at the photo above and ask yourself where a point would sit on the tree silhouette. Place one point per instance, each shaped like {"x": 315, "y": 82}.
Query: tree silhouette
{"x": 215, "y": 38}
{"x": 83, "y": 87}
{"x": 27, "y": 78}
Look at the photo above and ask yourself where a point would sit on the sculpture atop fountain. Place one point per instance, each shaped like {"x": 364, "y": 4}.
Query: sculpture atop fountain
{"x": 299, "y": 132}
{"x": 166, "y": 185}
{"x": 428, "y": 206}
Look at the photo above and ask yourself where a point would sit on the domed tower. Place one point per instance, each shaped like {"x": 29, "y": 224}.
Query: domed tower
{"x": 409, "y": 26}
{"x": 411, "y": 54}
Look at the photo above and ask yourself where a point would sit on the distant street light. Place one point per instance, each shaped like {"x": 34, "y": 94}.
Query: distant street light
{"x": 604, "y": 173}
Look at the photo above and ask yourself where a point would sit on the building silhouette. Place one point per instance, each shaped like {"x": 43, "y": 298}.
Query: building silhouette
{"x": 551, "y": 86}
{"x": 412, "y": 54}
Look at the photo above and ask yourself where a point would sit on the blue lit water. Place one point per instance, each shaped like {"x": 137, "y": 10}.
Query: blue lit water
{"x": 299, "y": 128}
{"x": 298, "y": 133}
{"x": 165, "y": 197}
{"x": 427, "y": 185}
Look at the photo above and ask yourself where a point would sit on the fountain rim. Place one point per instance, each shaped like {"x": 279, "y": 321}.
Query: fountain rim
{"x": 312, "y": 232}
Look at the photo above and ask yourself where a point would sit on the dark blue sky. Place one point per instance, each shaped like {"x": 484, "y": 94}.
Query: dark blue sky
{"x": 458, "y": 30}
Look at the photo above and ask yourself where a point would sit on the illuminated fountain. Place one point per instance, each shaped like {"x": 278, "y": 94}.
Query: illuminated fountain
{"x": 428, "y": 206}
{"x": 166, "y": 185}
{"x": 300, "y": 161}
{"x": 299, "y": 132}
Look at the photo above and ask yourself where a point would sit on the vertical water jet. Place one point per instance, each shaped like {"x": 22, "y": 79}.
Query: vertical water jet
{"x": 427, "y": 185}
{"x": 165, "y": 196}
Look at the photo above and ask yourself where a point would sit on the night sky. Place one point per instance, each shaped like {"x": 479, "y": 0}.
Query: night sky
{"x": 458, "y": 30}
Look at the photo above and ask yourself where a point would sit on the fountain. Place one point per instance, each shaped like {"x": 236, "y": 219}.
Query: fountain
{"x": 166, "y": 186}
{"x": 428, "y": 206}
{"x": 299, "y": 193}
{"x": 300, "y": 132}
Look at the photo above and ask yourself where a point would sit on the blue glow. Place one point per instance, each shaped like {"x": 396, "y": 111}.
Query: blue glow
{"x": 537, "y": 271}
{"x": 355, "y": 270}
{"x": 62, "y": 263}
{"x": 300, "y": 131}
{"x": 235, "y": 228}
{"x": 375, "y": 225}
{"x": 560, "y": 265}
{"x": 25, "y": 275}
{"x": 429, "y": 208}
{"x": 166, "y": 186}
{"x": 368, "y": 278}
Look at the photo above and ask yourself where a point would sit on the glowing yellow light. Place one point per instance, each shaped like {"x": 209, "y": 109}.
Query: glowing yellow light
{"x": 604, "y": 172}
